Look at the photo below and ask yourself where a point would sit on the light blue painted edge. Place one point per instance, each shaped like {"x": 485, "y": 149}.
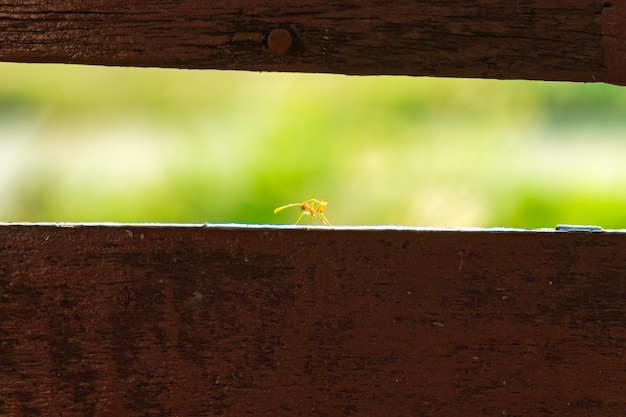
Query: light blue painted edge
{"x": 558, "y": 229}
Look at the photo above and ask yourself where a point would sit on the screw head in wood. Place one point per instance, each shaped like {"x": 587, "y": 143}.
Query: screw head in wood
{"x": 279, "y": 41}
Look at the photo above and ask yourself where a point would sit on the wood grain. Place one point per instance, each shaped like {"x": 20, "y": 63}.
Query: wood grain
{"x": 572, "y": 40}
{"x": 204, "y": 321}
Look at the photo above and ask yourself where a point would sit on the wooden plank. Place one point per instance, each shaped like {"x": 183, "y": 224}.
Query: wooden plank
{"x": 193, "y": 321}
{"x": 573, "y": 40}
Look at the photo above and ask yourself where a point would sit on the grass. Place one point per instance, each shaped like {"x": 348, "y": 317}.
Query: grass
{"x": 113, "y": 144}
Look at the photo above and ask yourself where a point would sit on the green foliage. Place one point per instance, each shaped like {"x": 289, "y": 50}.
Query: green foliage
{"x": 141, "y": 145}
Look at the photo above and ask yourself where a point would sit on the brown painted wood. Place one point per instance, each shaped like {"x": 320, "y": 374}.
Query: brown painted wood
{"x": 193, "y": 321}
{"x": 573, "y": 40}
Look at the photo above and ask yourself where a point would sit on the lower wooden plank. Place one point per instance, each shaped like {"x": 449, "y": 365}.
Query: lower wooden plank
{"x": 193, "y": 321}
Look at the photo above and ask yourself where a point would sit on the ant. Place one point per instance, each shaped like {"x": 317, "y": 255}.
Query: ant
{"x": 312, "y": 207}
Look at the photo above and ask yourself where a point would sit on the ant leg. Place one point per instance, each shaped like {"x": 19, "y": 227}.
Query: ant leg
{"x": 323, "y": 218}
{"x": 300, "y": 217}
{"x": 319, "y": 212}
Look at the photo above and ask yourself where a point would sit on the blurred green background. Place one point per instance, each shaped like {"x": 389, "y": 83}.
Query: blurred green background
{"x": 86, "y": 144}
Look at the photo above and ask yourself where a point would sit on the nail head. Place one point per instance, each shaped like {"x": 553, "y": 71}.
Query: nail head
{"x": 279, "y": 41}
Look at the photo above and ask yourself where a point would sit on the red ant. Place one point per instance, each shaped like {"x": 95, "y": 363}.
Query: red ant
{"x": 312, "y": 207}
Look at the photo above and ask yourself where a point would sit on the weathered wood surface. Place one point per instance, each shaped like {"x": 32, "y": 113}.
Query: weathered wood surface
{"x": 190, "y": 321}
{"x": 574, "y": 40}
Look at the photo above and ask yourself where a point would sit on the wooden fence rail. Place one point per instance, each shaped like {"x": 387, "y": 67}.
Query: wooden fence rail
{"x": 263, "y": 321}
{"x": 572, "y": 40}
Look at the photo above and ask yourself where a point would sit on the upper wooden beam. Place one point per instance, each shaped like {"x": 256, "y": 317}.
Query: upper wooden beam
{"x": 570, "y": 40}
